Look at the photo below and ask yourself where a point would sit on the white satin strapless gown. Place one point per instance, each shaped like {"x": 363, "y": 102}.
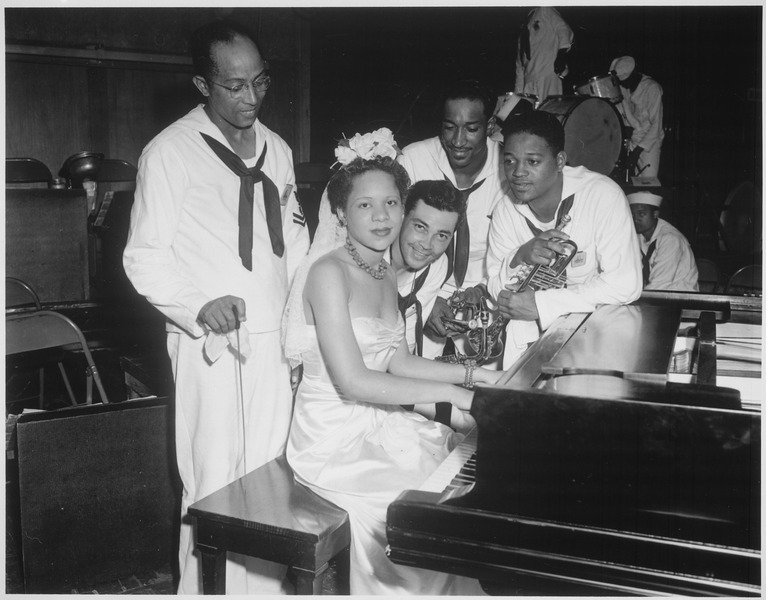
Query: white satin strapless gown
{"x": 362, "y": 456}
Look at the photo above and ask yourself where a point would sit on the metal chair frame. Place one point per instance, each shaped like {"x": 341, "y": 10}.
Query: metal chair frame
{"x": 19, "y": 293}
{"x": 743, "y": 277}
{"x": 44, "y": 329}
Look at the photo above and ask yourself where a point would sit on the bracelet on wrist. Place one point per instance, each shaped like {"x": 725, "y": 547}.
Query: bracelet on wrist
{"x": 470, "y": 367}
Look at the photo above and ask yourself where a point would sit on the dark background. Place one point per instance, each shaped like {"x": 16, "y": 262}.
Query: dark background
{"x": 342, "y": 70}
{"x": 385, "y": 66}
{"x": 374, "y": 67}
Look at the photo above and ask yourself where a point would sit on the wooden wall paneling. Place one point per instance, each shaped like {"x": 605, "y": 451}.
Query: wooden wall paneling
{"x": 302, "y": 151}
{"x": 46, "y": 112}
{"x": 279, "y": 109}
{"x": 116, "y": 77}
{"x": 46, "y": 242}
{"x": 159, "y": 30}
{"x": 141, "y": 103}
{"x": 99, "y": 121}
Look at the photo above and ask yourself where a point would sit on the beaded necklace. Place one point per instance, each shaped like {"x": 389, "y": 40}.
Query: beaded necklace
{"x": 377, "y": 273}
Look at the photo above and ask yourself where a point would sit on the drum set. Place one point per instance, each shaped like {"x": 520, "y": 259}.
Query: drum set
{"x": 596, "y": 135}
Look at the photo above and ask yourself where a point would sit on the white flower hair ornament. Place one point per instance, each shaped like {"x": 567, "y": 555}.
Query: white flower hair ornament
{"x": 368, "y": 146}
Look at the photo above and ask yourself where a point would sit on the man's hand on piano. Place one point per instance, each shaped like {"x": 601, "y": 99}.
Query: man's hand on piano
{"x": 518, "y": 305}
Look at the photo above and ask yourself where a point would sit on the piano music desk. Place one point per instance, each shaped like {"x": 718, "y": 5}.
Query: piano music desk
{"x": 267, "y": 514}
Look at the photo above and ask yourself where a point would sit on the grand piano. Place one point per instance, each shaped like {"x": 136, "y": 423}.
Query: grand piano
{"x": 620, "y": 456}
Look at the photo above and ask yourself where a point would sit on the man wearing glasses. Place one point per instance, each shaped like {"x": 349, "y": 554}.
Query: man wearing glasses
{"x": 216, "y": 233}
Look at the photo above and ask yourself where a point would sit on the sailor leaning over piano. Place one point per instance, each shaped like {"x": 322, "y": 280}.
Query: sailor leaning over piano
{"x": 549, "y": 203}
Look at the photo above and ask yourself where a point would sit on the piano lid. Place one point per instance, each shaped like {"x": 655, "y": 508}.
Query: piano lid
{"x": 628, "y": 341}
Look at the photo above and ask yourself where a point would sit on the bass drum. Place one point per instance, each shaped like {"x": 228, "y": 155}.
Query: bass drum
{"x": 593, "y": 128}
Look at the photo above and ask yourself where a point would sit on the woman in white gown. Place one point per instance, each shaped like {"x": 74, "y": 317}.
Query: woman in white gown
{"x": 350, "y": 439}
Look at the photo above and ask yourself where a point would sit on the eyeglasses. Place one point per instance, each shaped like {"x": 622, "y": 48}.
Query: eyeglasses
{"x": 259, "y": 84}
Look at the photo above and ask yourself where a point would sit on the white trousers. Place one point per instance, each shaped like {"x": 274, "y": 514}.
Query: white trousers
{"x": 215, "y": 439}
{"x": 649, "y": 161}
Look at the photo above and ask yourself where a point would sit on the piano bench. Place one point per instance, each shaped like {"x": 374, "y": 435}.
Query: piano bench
{"x": 268, "y": 515}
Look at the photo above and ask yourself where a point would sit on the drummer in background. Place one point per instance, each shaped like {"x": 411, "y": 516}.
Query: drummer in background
{"x": 667, "y": 257}
{"x": 641, "y": 107}
{"x": 541, "y": 56}
{"x": 508, "y": 106}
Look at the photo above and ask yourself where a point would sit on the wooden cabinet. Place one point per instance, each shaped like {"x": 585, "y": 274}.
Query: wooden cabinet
{"x": 98, "y": 493}
{"x": 46, "y": 241}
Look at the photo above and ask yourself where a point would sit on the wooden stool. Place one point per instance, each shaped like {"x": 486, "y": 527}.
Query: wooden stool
{"x": 267, "y": 514}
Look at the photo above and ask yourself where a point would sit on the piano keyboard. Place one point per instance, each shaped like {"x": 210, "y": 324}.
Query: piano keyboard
{"x": 457, "y": 469}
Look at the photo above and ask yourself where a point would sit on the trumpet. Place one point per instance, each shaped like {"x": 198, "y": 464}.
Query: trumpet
{"x": 545, "y": 277}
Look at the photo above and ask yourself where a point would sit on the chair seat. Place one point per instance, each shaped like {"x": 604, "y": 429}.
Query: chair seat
{"x": 29, "y": 333}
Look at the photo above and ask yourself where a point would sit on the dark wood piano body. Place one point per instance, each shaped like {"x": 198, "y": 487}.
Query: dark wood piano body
{"x": 653, "y": 490}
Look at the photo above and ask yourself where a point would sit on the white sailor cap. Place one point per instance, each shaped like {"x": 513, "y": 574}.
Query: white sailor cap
{"x": 644, "y": 198}
{"x": 623, "y": 67}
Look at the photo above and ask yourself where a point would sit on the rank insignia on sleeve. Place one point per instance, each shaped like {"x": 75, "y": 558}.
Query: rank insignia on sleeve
{"x": 299, "y": 218}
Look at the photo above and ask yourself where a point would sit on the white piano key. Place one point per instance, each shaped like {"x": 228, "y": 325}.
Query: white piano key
{"x": 451, "y": 465}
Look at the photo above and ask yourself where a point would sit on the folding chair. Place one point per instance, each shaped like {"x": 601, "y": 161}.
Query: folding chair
{"x": 747, "y": 281}
{"x": 45, "y": 329}
{"x": 20, "y": 294}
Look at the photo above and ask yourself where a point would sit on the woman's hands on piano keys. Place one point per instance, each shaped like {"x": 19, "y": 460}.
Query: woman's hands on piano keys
{"x": 461, "y": 419}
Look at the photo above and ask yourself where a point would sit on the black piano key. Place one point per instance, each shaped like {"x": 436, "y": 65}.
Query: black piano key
{"x": 465, "y": 476}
